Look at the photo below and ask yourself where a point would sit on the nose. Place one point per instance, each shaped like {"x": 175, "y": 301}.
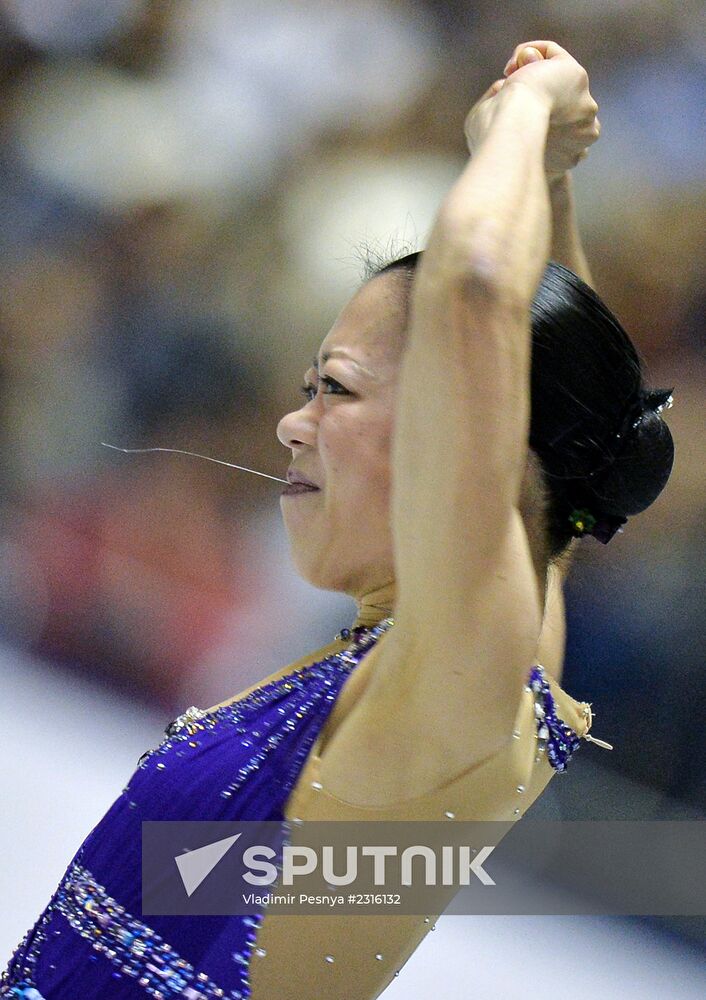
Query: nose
{"x": 297, "y": 428}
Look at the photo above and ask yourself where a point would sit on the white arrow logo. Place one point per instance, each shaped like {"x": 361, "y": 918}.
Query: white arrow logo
{"x": 196, "y": 865}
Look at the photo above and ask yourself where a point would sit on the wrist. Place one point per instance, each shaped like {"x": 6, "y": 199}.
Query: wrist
{"x": 543, "y": 101}
{"x": 559, "y": 184}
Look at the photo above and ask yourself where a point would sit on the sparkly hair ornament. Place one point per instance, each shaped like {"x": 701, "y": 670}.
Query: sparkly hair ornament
{"x": 603, "y": 526}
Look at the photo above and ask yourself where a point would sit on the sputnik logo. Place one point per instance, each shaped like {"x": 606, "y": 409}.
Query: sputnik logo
{"x": 195, "y": 865}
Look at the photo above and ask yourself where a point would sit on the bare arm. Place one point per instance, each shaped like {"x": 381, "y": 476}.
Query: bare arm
{"x": 566, "y": 245}
{"x": 462, "y": 556}
{"x": 552, "y": 640}
{"x": 468, "y": 600}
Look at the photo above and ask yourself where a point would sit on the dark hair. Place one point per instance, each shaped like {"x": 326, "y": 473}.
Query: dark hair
{"x": 596, "y": 428}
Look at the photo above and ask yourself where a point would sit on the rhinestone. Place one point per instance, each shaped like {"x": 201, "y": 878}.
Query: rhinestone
{"x": 260, "y": 952}
{"x": 520, "y": 788}
{"x": 426, "y": 920}
{"x": 449, "y": 814}
{"x": 433, "y": 927}
{"x": 516, "y": 812}
{"x": 330, "y": 958}
{"x": 537, "y": 758}
{"x": 516, "y": 734}
{"x": 316, "y": 784}
{"x": 379, "y": 956}
{"x": 397, "y": 973}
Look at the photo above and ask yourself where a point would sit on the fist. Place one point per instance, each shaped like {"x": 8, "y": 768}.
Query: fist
{"x": 554, "y": 75}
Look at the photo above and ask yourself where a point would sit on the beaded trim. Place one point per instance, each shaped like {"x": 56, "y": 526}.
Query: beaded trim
{"x": 554, "y": 737}
{"x": 194, "y": 720}
{"x": 138, "y": 952}
{"x": 130, "y": 944}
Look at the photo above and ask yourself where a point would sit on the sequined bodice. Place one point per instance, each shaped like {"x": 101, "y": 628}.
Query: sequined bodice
{"x": 239, "y": 761}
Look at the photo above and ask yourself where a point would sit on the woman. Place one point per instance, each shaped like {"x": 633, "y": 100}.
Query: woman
{"x": 435, "y": 704}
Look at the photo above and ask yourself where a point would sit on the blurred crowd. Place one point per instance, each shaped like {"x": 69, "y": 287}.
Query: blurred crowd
{"x": 185, "y": 191}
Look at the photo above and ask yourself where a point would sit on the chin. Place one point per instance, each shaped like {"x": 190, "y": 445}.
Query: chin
{"x": 316, "y": 575}
{"x": 304, "y": 566}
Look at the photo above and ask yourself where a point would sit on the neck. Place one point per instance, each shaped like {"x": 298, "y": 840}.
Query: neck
{"x": 375, "y": 604}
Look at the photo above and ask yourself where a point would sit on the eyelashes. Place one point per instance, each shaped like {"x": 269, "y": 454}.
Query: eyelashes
{"x": 336, "y": 388}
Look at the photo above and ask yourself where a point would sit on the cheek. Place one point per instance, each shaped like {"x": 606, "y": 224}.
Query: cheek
{"x": 368, "y": 459}
{"x": 356, "y": 449}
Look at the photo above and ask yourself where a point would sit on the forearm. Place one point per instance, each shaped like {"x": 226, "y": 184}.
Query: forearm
{"x": 566, "y": 247}
{"x": 469, "y": 317}
{"x": 462, "y": 421}
{"x": 495, "y": 221}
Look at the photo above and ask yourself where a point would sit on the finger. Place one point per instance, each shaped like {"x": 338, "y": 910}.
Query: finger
{"x": 546, "y": 48}
{"x": 589, "y": 133}
{"x": 492, "y": 90}
{"x": 528, "y": 55}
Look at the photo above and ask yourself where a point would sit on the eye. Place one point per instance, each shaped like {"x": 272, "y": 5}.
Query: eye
{"x": 336, "y": 387}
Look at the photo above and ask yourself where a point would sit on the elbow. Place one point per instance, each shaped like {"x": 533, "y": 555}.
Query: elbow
{"x": 474, "y": 257}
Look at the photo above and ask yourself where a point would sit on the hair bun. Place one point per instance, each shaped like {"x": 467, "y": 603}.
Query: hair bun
{"x": 642, "y": 463}
{"x": 658, "y": 399}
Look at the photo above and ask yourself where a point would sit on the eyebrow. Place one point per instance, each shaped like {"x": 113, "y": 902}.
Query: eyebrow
{"x": 341, "y": 353}
{"x": 324, "y": 359}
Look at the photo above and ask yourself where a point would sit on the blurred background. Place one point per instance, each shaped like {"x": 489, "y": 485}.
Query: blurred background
{"x": 186, "y": 188}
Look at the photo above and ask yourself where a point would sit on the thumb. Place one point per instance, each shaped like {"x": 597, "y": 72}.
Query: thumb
{"x": 528, "y": 55}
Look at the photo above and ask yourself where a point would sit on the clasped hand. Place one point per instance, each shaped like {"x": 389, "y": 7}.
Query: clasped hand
{"x": 557, "y": 78}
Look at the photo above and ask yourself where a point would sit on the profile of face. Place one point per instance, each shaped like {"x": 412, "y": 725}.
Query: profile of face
{"x": 340, "y": 438}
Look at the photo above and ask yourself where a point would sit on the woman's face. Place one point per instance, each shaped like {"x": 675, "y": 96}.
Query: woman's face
{"x": 340, "y": 439}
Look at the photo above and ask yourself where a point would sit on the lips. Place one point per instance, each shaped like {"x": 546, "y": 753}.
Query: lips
{"x": 293, "y": 488}
{"x": 295, "y": 477}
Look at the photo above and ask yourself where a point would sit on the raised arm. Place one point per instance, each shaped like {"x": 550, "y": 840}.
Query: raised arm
{"x": 468, "y": 605}
{"x": 566, "y": 247}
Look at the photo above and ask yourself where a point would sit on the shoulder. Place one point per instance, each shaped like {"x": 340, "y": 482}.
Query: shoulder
{"x": 303, "y": 661}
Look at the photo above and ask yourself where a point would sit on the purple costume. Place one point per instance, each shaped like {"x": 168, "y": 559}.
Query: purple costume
{"x": 240, "y": 761}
